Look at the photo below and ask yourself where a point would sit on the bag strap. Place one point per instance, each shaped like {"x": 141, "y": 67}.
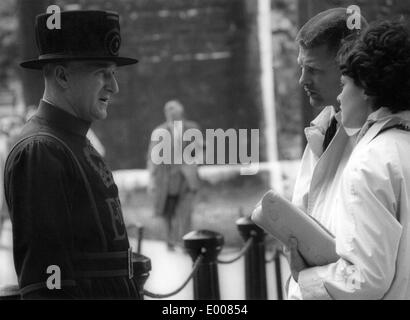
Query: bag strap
{"x": 399, "y": 126}
{"x": 83, "y": 176}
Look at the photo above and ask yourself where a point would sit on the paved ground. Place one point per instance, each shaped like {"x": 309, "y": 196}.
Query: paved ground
{"x": 169, "y": 270}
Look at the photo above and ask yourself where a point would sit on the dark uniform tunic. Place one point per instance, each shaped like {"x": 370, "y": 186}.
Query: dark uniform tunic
{"x": 52, "y": 217}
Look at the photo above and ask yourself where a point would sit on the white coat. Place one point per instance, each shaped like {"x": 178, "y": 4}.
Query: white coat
{"x": 369, "y": 216}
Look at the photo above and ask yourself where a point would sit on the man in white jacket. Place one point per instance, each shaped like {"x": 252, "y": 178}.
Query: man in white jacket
{"x": 328, "y": 146}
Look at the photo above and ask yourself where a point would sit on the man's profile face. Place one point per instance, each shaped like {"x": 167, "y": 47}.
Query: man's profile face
{"x": 91, "y": 86}
{"x": 320, "y": 76}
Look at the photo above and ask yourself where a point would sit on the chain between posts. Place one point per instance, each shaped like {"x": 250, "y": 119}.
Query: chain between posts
{"x": 179, "y": 289}
{"x": 242, "y": 252}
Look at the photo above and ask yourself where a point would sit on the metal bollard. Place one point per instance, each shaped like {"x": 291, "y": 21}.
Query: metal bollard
{"x": 141, "y": 267}
{"x": 140, "y": 238}
{"x": 206, "y": 280}
{"x": 278, "y": 275}
{"x": 255, "y": 269}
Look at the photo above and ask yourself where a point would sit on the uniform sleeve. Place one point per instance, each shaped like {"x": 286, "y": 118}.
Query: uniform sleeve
{"x": 39, "y": 195}
{"x": 367, "y": 233}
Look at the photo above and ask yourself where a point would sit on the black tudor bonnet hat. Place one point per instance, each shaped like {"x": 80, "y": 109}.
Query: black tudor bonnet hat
{"x": 83, "y": 35}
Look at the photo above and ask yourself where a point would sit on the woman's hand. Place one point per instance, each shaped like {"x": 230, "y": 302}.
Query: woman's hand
{"x": 295, "y": 260}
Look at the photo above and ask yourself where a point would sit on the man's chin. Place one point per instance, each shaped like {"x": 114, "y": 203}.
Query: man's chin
{"x": 102, "y": 115}
{"x": 316, "y": 103}
{"x": 102, "y": 112}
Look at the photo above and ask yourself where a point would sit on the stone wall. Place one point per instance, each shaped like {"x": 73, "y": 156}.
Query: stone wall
{"x": 371, "y": 10}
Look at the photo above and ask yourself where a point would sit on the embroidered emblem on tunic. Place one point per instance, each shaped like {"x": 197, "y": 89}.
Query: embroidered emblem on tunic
{"x": 116, "y": 218}
{"x": 98, "y": 164}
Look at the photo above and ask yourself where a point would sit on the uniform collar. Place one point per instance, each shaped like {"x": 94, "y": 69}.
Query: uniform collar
{"x": 62, "y": 119}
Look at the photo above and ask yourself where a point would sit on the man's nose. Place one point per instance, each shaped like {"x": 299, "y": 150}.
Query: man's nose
{"x": 304, "y": 78}
{"x": 338, "y": 99}
{"x": 112, "y": 85}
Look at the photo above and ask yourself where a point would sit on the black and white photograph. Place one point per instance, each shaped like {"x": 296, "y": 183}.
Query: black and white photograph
{"x": 183, "y": 151}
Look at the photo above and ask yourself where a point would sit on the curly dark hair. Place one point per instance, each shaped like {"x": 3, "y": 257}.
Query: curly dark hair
{"x": 379, "y": 62}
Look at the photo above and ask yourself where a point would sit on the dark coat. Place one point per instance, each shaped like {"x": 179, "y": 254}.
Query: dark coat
{"x": 51, "y": 212}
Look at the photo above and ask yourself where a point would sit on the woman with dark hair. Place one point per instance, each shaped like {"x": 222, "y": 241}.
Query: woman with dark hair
{"x": 372, "y": 205}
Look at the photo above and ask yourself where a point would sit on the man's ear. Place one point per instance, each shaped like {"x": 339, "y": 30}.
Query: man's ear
{"x": 61, "y": 75}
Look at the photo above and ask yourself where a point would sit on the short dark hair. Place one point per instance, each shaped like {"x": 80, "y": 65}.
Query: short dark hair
{"x": 379, "y": 62}
{"x": 327, "y": 28}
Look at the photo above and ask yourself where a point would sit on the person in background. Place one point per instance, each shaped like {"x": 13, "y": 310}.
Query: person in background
{"x": 173, "y": 186}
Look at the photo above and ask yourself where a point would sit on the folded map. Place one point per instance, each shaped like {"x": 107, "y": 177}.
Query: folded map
{"x": 283, "y": 220}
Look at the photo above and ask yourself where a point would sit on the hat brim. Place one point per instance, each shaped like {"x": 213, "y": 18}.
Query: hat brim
{"x": 38, "y": 64}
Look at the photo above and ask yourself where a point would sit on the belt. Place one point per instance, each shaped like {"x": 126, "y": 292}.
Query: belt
{"x": 110, "y": 264}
